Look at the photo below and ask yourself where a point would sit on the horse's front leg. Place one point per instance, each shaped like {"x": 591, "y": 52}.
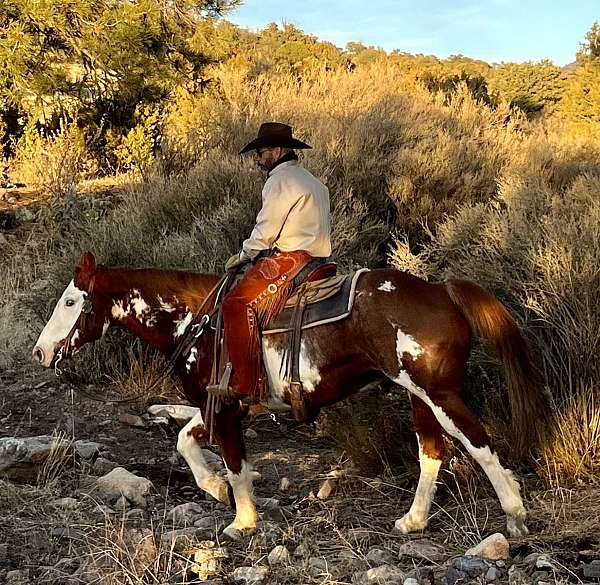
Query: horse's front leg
{"x": 188, "y": 445}
{"x": 229, "y": 437}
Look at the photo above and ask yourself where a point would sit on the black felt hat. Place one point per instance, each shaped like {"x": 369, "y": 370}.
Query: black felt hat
{"x": 271, "y": 134}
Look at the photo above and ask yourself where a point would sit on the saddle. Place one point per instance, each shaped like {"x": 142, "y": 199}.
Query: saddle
{"x": 319, "y": 296}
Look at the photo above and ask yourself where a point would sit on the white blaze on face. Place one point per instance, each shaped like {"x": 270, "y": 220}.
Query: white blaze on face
{"x": 65, "y": 315}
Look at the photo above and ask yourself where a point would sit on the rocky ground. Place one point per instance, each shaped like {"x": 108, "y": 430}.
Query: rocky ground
{"x": 112, "y": 503}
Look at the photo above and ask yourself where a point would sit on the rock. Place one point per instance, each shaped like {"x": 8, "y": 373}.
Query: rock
{"x": 103, "y": 511}
{"x": 326, "y": 490}
{"x": 210, "y": 524}
{"x": 24, "y": 215}
{"x": 250, "y": 575}
{"x": 18, "y": 577}
{"x": 87, "y": 449}
{"x": 3, "y": 239}
{"x": 280, "y": 555}
{"x": 494, "y": 547}
{"x": 121, "y": 505}
{"x": 285, "y": 484}
{"x": 492, "y": 574}
{"x": 379, "y": 556}
{"x": 132, "y": 420}
{"x": 471, "y": 566}
{"x": 410, "y": 581}
{"x": 103, "y": 466}
{"x": 120, "y": 482}
{"x": 592, "y": 570}
{"x": 454, "y": 576}
{"x": 66, "y": 503}
{"x": 208, "y": 560}
{"x": 383, "y": 575}
{"x": 135, "y": 514}
{"x": 177, "y": 540}
{"x": 21, "y": 459}
{"x": 66, "y": 533}
{"x": 251, "y": 434}
{"x": 301, "y": 551}
{"x": 317, "y": 566}
{"x": 423, "y": 549}
{"x": 180, "y": 413}
{"x": 186, "y": 514}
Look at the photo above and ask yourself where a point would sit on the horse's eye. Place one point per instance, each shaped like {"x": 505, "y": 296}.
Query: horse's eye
{"x": 69, "y": 302}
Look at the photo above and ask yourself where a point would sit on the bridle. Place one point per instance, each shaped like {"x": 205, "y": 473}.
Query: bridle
{"x": 189, "y": 338}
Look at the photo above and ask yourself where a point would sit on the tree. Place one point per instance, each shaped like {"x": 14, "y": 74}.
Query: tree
{"x": 530, "y": 86}
{"x": 590, "y": 48}
{"x": 101, "y": 58}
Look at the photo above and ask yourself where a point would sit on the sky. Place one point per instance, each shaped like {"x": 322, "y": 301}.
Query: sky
{"x": 492, "y": 30}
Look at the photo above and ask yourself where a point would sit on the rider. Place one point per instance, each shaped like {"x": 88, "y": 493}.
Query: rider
{"x": 292, "y": 228}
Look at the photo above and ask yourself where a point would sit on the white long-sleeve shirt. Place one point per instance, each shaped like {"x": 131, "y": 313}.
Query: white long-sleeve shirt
{"x": 294, "y": 214}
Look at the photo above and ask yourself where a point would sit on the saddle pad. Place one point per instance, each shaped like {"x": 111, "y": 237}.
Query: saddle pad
{"x": 332, "y": 308}
{"x": 316, "y": 291}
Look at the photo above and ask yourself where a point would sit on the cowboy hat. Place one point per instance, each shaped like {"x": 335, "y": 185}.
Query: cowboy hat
{"x": 274, "y": 134}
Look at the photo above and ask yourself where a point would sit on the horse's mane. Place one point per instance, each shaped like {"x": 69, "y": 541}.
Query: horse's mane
{"x": 190, "y": 288}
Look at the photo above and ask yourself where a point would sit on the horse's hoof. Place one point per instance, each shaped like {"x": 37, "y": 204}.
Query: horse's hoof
{"x": 516, "y": 527}
{"x": 237, "y": 534}
{"x": 408, "y": 524}
{"x": 218, "y": 489}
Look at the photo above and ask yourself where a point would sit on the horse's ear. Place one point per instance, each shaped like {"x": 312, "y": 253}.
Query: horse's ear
{"x": 85, "y": 270}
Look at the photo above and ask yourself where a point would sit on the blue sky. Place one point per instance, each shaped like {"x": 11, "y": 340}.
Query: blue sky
{"x": 492, "y": 30}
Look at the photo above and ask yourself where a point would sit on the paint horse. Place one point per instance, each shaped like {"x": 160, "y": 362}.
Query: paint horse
{"x": 412, "y": 333}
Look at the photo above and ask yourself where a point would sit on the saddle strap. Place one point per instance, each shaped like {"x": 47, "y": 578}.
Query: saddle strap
{"x": 296, "y": 391}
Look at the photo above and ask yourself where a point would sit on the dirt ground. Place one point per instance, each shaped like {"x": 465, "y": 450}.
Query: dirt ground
{"x": 563, "y": 523}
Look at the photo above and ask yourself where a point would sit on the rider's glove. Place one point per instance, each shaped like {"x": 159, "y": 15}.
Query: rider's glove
{"x": 234, "y": 262}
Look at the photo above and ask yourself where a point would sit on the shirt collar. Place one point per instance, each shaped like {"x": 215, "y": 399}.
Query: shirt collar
{"x": 283, "y": 165}
{"x": 284, "y": 161}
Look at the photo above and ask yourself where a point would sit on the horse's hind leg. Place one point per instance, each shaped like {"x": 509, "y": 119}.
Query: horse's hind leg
{"x": 458, "y": 421}
{"x": 189, "y": 447}
{"x": 431, "y": 455}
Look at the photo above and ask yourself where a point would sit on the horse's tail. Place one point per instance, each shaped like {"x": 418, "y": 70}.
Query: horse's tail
{"x": 488, "y": 317}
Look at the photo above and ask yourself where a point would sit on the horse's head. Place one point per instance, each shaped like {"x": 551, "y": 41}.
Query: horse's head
{"x": 77, "y": 319}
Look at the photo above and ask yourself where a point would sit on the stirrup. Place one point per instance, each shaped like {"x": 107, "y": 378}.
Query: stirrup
{"x": 222, "y": 389}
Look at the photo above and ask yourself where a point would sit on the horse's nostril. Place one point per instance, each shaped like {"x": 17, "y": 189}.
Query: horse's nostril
{"x": 38, "y": 354}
